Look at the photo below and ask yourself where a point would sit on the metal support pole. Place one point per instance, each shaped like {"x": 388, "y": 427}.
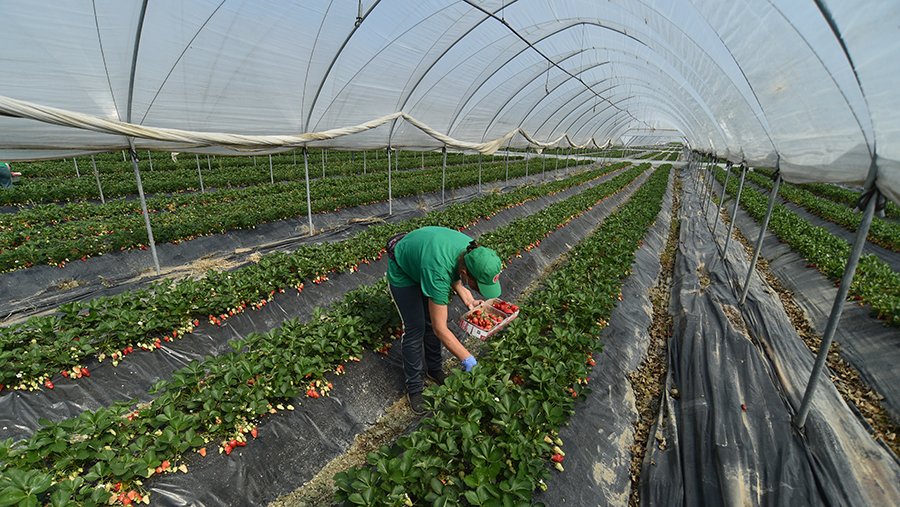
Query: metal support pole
{"x": 479, "y": 173}
{"x": 443, "y": 173}
{"x": 97, "y": 177}
{"x": 737, "y": 201}
{"x": 123, "y": 156}
{"x": 526, "y": 165}
{"x": 507, "y": 163}
{"x": 306, "y": 177}
{"x": 423, "y": 161}
{"x": 544, "y": 164}
{"x": 390, "y": 199}
{"x": 759, "y": 241}
{"x": 709, "y": 183}
{"x": 294, "y": 153}
{"x": 837, "y": 308}
{"x": 364, "y": 162}
{"x": 254, "y": 160}
{"x": 397, "y": 160}
{"x": 199, "y": 173}
{"x": 271, "y": 171}
{"x": 722, "y": 200}
{"x": 208, "y": 164}
{"x": 323, "y": 162}
{"x": 77, "y": 172}
{"x": 150, "y": 158}
{"x": 137, "y": 176}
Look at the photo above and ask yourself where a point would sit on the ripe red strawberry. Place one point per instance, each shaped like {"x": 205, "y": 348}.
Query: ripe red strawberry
{"x": 133, "y": 494}
{"x": 117, "y": 487}
{"x": 165, "y": 464}
{"x": 64, "y": 373}
{"x": 48, "y": 384}
{"x": 126, "y": 501}
{"x": 228, "y": 449}
{"x": 254, "y": 432}
{"x": 557, "y": 458}
{"x": 240, "y": 443}
{"x": 85, "y": 372}
{"x": 159, "y": 470}
{"x": 202, "y": 451}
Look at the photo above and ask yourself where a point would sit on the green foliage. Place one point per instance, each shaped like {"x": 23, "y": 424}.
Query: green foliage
{"x": 885, "y": 233}
{"x": 875, "y": 282}
{"x": 492, "y": 432}
{"x": 41, "y": 346}
{"x": 56, "y": 235}
{"x": 220, "y": 398}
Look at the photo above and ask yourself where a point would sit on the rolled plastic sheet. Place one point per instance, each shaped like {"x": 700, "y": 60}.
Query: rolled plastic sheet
{"x": 811, "y": 82}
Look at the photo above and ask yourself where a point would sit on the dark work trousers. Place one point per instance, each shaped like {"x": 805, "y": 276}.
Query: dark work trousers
{"x": 419, "y": 343}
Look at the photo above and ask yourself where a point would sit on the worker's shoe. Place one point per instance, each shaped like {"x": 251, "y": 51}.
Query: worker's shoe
{"x": 416, "y": 403}
{"x": 437, "y": 376}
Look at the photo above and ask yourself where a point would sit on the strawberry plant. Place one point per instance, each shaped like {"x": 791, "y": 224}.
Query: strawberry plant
{"x": 216, "y": 402}
{"x": 57, "y": 235}
{"x": 493, "y": 436}
{"x": 843, "y": 196}
{"x": 875, "y": 282}
{"x": 882, "y": 232}
{"x": 111, "y": 327}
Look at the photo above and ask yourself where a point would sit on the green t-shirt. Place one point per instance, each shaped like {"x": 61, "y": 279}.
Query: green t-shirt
{"x": 428, "y": 257}
{"x": 5, "y": 175}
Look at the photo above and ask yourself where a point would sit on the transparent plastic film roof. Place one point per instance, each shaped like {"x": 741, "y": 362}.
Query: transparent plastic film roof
{"x": 809, "y": 85}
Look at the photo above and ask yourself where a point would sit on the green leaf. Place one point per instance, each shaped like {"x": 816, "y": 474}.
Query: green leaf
{"x": 12, "y": 496}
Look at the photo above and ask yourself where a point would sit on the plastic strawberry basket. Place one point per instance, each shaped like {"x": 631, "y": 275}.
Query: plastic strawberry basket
{"x": 486, "y": 309}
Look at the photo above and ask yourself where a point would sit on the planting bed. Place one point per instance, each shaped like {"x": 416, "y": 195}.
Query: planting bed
{"x": 41, "y": 287}
{"x": 167, "y": 401}
{"x": 143, "y": 369}
{"x": 578, "y": 401}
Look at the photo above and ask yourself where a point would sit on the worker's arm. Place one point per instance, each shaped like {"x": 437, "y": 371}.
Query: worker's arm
{"x": 467, "y": 298}
{"x": 438, "y": 315}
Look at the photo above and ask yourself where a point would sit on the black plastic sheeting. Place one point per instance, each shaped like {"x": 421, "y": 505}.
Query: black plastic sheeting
{"x": 598, "y": 438}
{"x": 727, "y": 437}
{"x": 35, "y": 290}
{"x": 20, "y": 411}
{"x": 872, "y": 347}
{"x": 294, "y": 445}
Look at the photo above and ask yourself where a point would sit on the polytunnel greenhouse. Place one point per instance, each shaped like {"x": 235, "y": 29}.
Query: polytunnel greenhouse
{"x": 209, "y": 212}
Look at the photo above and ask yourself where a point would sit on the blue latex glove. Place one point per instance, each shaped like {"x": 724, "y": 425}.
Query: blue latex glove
{"x": 469, "y": 363}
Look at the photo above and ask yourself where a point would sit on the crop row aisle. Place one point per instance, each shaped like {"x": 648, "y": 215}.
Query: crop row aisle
{"x": 105, "y": 326}
{"x": 39, "y": 446}
{"x": 736, "y": 376}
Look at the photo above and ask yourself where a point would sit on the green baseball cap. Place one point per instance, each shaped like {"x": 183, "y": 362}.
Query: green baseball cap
{"x": 484, "y": 266}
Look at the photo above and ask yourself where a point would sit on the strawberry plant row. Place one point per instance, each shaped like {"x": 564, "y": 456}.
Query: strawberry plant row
{"x": 110, "y": 327}
{"x": 844, "y": 196}
{"x": 875, "y": 282}
{"x": 55, "y": 181}
{"x": 882, "y": 232}
{"x": 178, "y": 218}
{"x": 50, "y": 215}
{"x": 493, "y": 436}
{"x": 220, "y": 398}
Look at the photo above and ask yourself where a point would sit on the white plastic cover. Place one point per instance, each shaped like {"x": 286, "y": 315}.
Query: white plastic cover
{"x": 813, "y": 82}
